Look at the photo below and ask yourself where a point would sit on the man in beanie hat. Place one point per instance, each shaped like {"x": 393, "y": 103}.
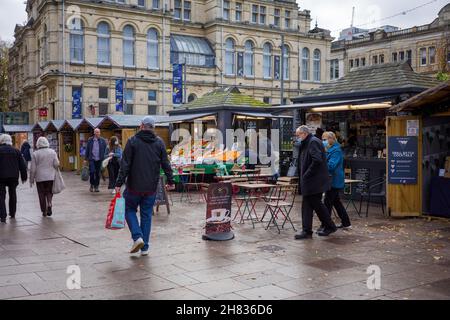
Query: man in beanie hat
{"x": 144, "y": 155}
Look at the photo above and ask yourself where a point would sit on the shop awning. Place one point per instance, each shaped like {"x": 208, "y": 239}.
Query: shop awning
{"x": 331, "y": 104}
{"x": 261, "y": 115}
{"x": 13, "y": 128}
{"x": 186, "y": 117}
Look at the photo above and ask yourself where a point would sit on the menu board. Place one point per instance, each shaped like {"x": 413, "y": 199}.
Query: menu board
{"x": 402, "y": 160}
{"x": 362, "y": 174}
{"x": 218, "y": 212}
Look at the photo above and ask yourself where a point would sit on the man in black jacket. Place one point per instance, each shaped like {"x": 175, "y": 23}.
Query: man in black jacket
{"x": 314, "y": 180}
{"x": 95, "y": 154}
{"x": 144, "y": 155}
{"x": 11, "y": 164}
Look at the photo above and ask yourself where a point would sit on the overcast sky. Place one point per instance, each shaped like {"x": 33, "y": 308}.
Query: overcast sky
{"x": 331, "y": 14}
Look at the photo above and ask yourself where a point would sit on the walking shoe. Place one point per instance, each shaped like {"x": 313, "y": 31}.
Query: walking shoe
{"x": 326, "y": 232}
{"x": 341, "y": 226}
{"x": 12, "y": 216}
{"x": 145, "y": 253}
{"x": 96, "y": 189}
{"x": 49, "y": 212}
{"x": 3, "y": 220}
{"x": 321, "y": 228}
{"x": 44, "y": 214}
{"x": 137, "y": 245}
{"x": 303, "y": 235}
{"x": 91, "y": 189}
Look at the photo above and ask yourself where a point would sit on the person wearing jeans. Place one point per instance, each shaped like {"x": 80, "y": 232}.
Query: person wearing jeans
{"x": 144, "y": 155}
{"x": 335, "y": 161}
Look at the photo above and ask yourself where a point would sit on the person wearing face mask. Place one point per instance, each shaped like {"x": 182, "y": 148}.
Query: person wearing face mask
{"x": 114, "y": 152}
{"x": 335, "y": 162}
{"x": 314, "y": 181}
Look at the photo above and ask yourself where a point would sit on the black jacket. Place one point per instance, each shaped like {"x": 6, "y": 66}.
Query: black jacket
{"x": 313, "y": 169}
{"x": 25, "y": 151}
{"x": 101, "y": 146}
{"x": 144, "y": 155}
{"x": 12, "y": 163}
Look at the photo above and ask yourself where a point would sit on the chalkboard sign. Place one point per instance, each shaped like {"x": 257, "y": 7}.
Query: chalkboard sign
{"x": 161, "y": 196}
{"x": 402, "y": 160}
{"x": 362, "y": 174}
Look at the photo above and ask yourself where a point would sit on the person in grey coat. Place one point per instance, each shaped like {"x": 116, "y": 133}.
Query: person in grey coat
{"x": 44, "y": 165}
{"x": 314, "y": 180}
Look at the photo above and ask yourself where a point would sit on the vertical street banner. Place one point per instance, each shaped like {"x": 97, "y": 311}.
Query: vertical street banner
{"x": 218, "y": 212}
{"x": 276, "y": 68}
{"x": 240, "y": 64}
{"x": 76, "y": 103}
{"x": 402, "y": 160}
{"x": 177, "y": 84}
{"x": 119, "y": 95}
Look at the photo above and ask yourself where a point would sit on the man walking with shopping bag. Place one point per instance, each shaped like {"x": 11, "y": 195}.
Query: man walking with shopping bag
{"x": 144, "y": 155}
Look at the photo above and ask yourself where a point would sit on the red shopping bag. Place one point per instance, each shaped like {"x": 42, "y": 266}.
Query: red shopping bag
{"x": 110, "y": 216}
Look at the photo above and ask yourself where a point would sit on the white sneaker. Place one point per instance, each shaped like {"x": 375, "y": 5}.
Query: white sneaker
{"x": 145, "y": 253}
{"x": 113, "y": 192}
{"x": 137, "y": 245}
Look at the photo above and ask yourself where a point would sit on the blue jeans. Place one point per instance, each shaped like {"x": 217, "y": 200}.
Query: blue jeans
{"x": 95, "y": 167}
{"x": 145, "y": 203}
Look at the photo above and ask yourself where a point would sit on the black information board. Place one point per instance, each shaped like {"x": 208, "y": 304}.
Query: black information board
{"x": 402, "y": 160}
{"x": 362, "y": 174}
{"x": 161, "y": 196}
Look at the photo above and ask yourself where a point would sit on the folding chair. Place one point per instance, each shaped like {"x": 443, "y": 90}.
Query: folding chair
{"x": 283, "y": 207}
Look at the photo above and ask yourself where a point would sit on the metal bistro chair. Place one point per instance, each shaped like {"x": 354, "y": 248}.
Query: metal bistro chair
{"x": 375, "y": 188}
{"x": 285, "y": 198}
{"x": 196, "y": 182}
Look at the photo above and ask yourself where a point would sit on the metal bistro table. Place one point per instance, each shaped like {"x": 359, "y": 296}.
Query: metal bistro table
{"x": 350, "y": 199}
{"x": 249, "y": 200}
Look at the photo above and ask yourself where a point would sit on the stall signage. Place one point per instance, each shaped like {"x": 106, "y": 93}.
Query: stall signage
{"x": 76, "y": 103}
{"x": 119, "y": 95}
{"x": 402, "y": 160}
{"x": 276, "y": 67}
{"x": 177, "y": 84}
{"x": 218, "y": 212}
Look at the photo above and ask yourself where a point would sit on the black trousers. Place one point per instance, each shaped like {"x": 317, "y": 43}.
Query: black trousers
{"x": 95, "y": 167}
{"x": 45, "y": 193}
{"x": 113, "y": 172}
{"x": 332, "y": 199}
{"x": 312, "y": 203}
{"x": 11, "y": 184}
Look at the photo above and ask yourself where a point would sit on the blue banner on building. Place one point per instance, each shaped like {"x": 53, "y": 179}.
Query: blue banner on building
{"x": 177, "y": 84}
{"x": 119, "y": 95}
{"x": 76, "y": 103}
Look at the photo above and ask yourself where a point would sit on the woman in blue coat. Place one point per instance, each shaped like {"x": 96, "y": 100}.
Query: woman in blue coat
{"x": 335, "y": 161}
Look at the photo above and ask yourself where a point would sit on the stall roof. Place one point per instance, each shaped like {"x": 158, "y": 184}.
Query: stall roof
{"x": 309, "y": 105}
{"x": 134, "y": 120}
{"x": 222, "y": 97}
{"x": 94, "y": 122}
{"x": 437, "y": 96}
{"x": 10, "y": 128}
{"x": 74, "y": 123}
{"x": 389, "y": 79}
{"x": 58, "y": 124}
{"x": 187, "y": 117}
{"x": 260, "y": 114}
{"x": 42, "y": 125}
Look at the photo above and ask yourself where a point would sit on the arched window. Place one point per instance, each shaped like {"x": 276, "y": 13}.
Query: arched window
{"x": 316, "y": 65}
{"x": 305, "y": 64}
{"x": 248, "y": 58}
{"x": 267, "y": 60}
{"x": 152, "y": 49}
{"x": 285, "y": 62}
{"x": 103, "y": 43}
{"x": 128, "y": 46}
{"x": 76, "y": 41}
{"x": 229, "y": 56}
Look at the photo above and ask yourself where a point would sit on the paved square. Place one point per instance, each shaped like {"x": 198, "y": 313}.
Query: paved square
{"x": 35, "y": 252}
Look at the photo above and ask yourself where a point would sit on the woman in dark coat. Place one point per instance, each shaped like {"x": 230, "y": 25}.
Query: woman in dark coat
{"x": 114, "y": 152}
{"x": 25, "y": 150}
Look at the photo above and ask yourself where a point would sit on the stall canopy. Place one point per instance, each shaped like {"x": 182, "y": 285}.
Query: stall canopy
{"x": 134, "y": 121}
{"x": 94, "y": 122}
{"x": 74, "y": 123}
{"x": 186, "y": 117}
{"x": 260, "y": 114}
{"x": 42, "y": 125}
{"x": 11, "y": 128}
{"x": 58, "y": 124}
{"x": 390, "y": 82}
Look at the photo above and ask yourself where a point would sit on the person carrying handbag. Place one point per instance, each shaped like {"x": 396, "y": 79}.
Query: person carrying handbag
{"x": 114, "y": 154}
{"x": 44, "y": 170}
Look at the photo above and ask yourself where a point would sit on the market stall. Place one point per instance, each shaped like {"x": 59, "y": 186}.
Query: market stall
{"x": 19, "y": 134}
{"x": 356, "y": 108}
{"x": 67, "y": 142}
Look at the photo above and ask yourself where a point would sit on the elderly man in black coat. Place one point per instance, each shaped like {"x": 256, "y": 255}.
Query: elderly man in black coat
{"x": 314, "y": 180}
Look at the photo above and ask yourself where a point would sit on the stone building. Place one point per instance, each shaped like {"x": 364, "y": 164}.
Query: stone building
{"x": 426, "y": 48}
{"x": 90, "y": 44}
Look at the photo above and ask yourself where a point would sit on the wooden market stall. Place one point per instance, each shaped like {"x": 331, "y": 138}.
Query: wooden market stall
{"x": 68, "y": 147}
{"x": 19, "y": 134}
{"x": 38, "y": 131}
{"x": 425, "y": 118}
{"x": 357, "y": 108}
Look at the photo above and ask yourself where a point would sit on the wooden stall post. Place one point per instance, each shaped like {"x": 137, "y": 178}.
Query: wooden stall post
{"x": 404, "y": 200}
